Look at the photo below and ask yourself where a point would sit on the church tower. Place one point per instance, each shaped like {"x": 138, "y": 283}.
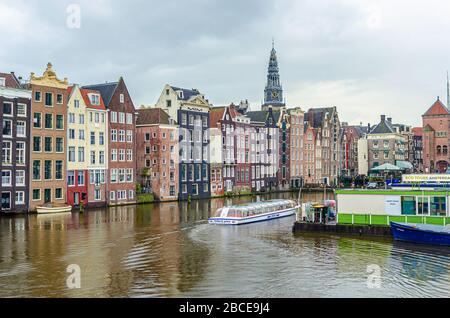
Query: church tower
{"x": 273, "y": 94}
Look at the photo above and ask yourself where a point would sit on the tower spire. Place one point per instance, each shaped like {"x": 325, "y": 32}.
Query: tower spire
{"x": 273, "y": 93}
{"x": 448, "y": 92}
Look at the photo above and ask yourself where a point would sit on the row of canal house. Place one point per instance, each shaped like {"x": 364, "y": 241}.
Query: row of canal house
{"x": 64, "y": 143}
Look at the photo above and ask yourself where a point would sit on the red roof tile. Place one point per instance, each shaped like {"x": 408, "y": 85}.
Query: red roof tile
{"x": 417, "y": 131}
{"x": 215, "y": 115}
{"x": 11, "y": 80}
{"x": 438, "y": 108}
{"x": 85, "y": 93}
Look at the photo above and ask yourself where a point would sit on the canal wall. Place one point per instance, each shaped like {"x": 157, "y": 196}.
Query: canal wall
{"x": 348, "y": 229}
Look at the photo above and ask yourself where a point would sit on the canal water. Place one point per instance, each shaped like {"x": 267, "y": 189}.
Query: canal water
{"x": 168, "y": 250}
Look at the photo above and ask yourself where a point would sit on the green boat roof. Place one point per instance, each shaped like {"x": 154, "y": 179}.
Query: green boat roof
{"x": 392, "y": 192}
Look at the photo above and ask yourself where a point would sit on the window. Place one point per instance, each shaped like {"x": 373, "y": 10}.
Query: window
{"x": 408, "y": 205}
{"x": 36, "y": 194}
{"x": 114, "y": 155}
{"x": 37, "y": 96}
{"x": 422, "y": 205}
{"x": 114, "y": 135}
{"x": 129, "y": 154}
{"x": 58, "y": 170}
{"x": 168, "y": 103}
{"x": 102, "y": 138}
{"x": 48, "y": 144}
{"x": 36, "y": 170}
{"x": 20, "y": 197}
{"x": 71, "y": 118}
{"x": 71, "y": 154}
{"x": 205, "y": 187}
{"x": 92, "y": 157}
{"x": 97, "y": 118}
{"x": 122, "y": 118}
{"x": 6, "y": 177}
{"x": 6, "y": 200}
{"x": 6, "y": 152}
{"x": 121, "y": 154}
{"x": 48, "y": 121}
{"x": 20, "y": 153}
{"x": 97, "y": 195}
{"x": 129, "y": 175}
{"x": 113, "y": 175}
{"x": 71, "y": 133}
{"x": 48, "y": 170}
{"x": 81, "y": 134}
{"x": 438, "y": 206}
{"x": 130, "y": 194}
{"x": 101, "y": 157}
{"x": 122, "y": 98}
{"x": 92, "y": 138}
{"x": 95, "y": 99}
{"x": 121, "y": 135}
{"x": 129, "y": 136}
{"x": 59, "y": 99}
{"x": 147, "y": 136}
{"x": 48, "y": 99}
{"x": 36, "y": 143}
{"x": 112, "y": 195}
{"x": 71, "y": 178}
{"x": 7, "y": 128}
{"x": 76, "y": 103}
{"x": 59, "y": 144}
{"x": 20, "y": 178}
{"x": 195, "y": 189}
{"x": 129, "y": 119}
{"x": 121, "y": 195}
{"x": 113, "y": 117}
{"x": 7, "y": 109}
{"x": 172, "y": 191}
{"x": 37, "y": 120}
{"x": 80, "y": 154}
{"x": 80, "y": 178}
{"x": 21, "y": 129}
{"x": 59, "y": 122}
{"x": 2, "y": 81}
{"x": 58, "y": 194}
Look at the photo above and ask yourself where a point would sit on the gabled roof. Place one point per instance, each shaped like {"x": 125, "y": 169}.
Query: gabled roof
{"x": 215, "y": 115}
{"x": 316, "y": 116}
{"x": 428, "y": 128}
{"x": 438, "y": 108}
{"x": 187, "y": 93}
{"x": 259, "y": 116}
{"x": 11, "y": 80}
{"x": 151, "y": 116}
{"x": 417, "y": 131}
{"x": 85, "y": 93}
{"x": 106, "y": 90}
{"x": 383, "y": 127}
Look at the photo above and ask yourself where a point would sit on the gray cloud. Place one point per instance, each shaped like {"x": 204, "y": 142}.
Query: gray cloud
{"x": 366, "y": 57}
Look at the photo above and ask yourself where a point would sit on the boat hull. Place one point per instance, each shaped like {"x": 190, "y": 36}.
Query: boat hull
{"x": 53, "y": 210}
{"x": 408, "y": 233}
{"x": 253, "y": 219}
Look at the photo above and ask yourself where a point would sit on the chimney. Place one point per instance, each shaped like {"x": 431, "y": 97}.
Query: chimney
{"x": 383, "y": 118}
{"x": 368, "y": 128}
{"x": 389, "y": 120}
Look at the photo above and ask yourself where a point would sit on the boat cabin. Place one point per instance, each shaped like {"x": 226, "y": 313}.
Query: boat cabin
{"x": 255, "y": 208}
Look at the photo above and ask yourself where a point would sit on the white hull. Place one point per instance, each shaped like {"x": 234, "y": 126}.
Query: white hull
{"x": 48, "y": 210}
{"x": 253, "y": 219}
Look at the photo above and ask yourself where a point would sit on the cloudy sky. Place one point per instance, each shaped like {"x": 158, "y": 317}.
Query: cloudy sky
{"x": 365, "y": 57}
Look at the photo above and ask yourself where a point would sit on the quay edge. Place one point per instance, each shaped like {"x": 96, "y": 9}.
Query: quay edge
{"x": 348, "y": 229}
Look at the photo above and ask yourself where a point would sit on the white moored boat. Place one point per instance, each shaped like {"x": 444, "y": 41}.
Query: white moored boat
{"x": 254, "y": 212}
{"x": 52, "y": 208}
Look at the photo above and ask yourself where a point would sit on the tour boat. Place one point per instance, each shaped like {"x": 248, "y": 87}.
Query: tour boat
{"x": 254, "y": 212}
{"x": 421, "y": 233}
{"x": 52, "y": 208}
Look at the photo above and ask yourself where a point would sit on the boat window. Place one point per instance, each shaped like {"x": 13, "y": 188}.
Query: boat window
{"x": 232, "y": 213}
{"x": 422, "y": 205}
{"x": 408, "y": 205}
{"x": 219, "y": 213}
{"x": 438, "y": 206}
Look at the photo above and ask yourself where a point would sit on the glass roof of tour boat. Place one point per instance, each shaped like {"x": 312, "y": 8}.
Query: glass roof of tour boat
{"x": 259, "y": 204}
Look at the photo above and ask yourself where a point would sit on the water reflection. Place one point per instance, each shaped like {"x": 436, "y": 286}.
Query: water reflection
{"x": 169, "y": 250}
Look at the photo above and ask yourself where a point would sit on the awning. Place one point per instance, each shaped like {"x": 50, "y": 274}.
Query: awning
{"x": 386, "y": 167}
{"x": 404, "y": 165}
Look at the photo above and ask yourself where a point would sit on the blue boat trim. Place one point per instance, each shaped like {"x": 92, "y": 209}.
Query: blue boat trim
{"x": 420, "y": 234}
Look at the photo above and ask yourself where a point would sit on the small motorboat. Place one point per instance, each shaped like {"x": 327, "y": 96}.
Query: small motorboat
{"x": 421, "y": 233}
{"x": 254, "y": 212}
{"x": 53, "y": 208}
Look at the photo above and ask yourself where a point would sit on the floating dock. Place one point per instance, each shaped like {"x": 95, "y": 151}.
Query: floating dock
{"x": 360, "y": 230}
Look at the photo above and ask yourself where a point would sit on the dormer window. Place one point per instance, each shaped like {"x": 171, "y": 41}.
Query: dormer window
{"x": 2, "y": 81}
{"x": 95, "y": 99}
